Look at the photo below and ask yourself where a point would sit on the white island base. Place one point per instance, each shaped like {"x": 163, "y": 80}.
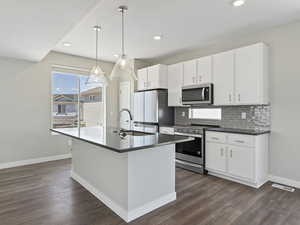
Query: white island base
{"x": 131, "y": 183}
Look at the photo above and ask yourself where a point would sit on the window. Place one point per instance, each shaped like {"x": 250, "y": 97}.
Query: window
{"x": 205, "y": 114}
{"x": 61, "y": 109}
{"x": 73, "y": 98}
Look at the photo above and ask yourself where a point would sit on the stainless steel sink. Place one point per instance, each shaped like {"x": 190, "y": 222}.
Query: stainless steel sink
{"x": 124, "y": 133}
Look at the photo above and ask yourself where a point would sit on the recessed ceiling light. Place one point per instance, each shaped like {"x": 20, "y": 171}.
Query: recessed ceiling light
{"x": 238, "y": 3}
{"x": 157, "y": 37}
{"x": 67, "y": 44}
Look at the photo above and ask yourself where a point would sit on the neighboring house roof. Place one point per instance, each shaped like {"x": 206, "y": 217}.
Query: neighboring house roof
{"x": 63, "y": 98}
{"x": 92, "y": 91}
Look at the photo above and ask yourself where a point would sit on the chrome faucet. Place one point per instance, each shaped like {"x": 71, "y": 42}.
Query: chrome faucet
{"x": 130, "y": 115}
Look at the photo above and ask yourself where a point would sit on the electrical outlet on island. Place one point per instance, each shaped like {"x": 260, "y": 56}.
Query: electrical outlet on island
{"x": 244, "y": 115}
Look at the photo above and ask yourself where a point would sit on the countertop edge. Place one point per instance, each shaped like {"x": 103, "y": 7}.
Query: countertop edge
{"x": 228, "y": 130}
{"x": 124, "y": 150}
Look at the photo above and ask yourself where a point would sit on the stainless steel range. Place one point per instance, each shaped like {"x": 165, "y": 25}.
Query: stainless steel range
{"x": 191, "y": 155}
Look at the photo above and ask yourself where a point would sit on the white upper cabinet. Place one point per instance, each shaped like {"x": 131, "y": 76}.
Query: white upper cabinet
{"x": 175, "y": 82}
{"x": 153, "y": 77}
{"x": 190, "y": 73}
{"x": 251, "y": 75}
{"x": 223, "y": 78}
{"x": 204, "y": 69}
{"x": 240, "y": 76}
{"x": 142, "y": 76}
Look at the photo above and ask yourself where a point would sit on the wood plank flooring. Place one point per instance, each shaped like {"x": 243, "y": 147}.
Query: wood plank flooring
{"x": 44, "y": 194}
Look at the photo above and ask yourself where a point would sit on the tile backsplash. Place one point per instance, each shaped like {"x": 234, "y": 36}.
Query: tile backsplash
{"x": 257, "y": 117}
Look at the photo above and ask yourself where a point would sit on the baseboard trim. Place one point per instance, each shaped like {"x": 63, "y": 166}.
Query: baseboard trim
{"x": 120, "y": 211}
{"x": 33, "y": 161}
{"x": 285, "y": 181}
{"x": 140, "y": 211}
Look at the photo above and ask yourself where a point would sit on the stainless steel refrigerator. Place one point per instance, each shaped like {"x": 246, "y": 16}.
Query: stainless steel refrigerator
{"x": 151, "y": 108}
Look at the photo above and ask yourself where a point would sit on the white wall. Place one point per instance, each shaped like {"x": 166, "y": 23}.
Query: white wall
{"x": 284, "y": 42}
{"x": 25, "y": 107}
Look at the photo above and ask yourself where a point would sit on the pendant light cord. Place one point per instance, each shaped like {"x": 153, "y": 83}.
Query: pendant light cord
{"x": 123, "y": 51}
{"x": 96, "y": 45}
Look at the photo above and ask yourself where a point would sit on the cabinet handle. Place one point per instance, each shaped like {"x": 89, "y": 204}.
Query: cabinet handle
{"x": 239, "y": 97}
{"x": 230, "y": 153}
{"x": 214, "y": 138}
{"x": 200, "y": 79}
{"x": 238, "y": 141}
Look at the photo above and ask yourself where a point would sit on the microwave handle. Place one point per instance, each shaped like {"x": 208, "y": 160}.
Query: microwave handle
{"x": 203, "y": 94}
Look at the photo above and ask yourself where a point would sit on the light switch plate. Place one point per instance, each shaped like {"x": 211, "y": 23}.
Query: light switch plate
{"x": 244, "y": 115}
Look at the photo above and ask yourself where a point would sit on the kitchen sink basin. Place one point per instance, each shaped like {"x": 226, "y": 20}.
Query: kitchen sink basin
{"x": 124, "y": 133}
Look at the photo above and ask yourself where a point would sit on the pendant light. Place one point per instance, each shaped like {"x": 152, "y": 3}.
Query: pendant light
{"x": 123, "y": 64}
{"x": 97, "y": 76}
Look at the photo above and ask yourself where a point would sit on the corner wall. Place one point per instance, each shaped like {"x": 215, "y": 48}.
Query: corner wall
{"x": 25, "y": 115}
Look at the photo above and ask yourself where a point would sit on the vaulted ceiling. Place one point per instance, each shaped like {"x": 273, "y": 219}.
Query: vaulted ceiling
{"x": 30, "y": 29}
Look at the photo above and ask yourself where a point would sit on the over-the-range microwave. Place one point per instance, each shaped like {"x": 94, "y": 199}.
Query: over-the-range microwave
{"x": 197, "y": 94}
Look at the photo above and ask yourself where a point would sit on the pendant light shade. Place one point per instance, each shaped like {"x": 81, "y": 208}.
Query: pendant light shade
{"x": 124, "y": 64}
{"x": 97, "y": 75}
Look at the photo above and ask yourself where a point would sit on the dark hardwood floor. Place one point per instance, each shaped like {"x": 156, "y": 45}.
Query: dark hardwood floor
{"x": 44, "y": 194}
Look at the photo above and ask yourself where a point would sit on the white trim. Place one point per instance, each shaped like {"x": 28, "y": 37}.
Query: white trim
{"x": 285, "y": 181}
{"x": 120, "y": 211}
{"x": 79, "y": 69}
{"x": 34, "y": 161}
{"x": 140, "y": 211}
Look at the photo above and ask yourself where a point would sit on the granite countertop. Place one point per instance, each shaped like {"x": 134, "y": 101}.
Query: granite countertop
{"x": 224, "y": 129}
{"x": 238, "y": 131}
{"x": 108, "y": 137}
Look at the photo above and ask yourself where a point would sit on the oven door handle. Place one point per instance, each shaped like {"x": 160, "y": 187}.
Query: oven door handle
{"x": 189, "y": 135}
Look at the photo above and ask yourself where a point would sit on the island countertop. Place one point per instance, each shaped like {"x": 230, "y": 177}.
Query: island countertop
{"x": 108, "y": 137}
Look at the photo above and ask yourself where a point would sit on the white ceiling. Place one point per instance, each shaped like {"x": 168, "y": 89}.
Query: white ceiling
{"x": 183, "y": 23}
{"x": 29, "y": 29}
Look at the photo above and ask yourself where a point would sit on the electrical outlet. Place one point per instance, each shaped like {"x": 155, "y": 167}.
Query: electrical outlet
{"x": 183, "y": 114}
{"x": 244, "y": 116}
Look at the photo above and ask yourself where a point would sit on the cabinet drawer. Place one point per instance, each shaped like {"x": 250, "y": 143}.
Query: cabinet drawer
{"x": 216, "y": 137}
{"x": 166, "y": 130}
{"x": 241, "y": 140}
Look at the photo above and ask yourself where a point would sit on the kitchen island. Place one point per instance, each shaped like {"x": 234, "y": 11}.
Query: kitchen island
{"x": 132, "y": 173}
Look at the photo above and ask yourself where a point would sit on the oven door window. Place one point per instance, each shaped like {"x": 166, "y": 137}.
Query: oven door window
{"x": 192, "y": 148}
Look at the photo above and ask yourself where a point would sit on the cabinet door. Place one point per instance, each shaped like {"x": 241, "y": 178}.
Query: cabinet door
{"x": 241, "y": 162}
{"x": 151, "y": 106}
{"x": 175, "y": 80}
{"x": 139, "y": 107}
{"x": 153, "y": 77}
{"x": 142, "y": 79}
{"x": 248, "y": 74}
{"x": 190, "y": 72}
{"x": 215, "y": 157}
{"x": 204, "y": 70}
{"x": 223, "y": 78}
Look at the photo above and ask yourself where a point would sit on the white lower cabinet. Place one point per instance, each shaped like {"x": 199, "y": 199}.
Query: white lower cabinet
{"x": 240, "y": 162}
{"x": 216, "y": 157}
{"x": 241, "y": 158}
